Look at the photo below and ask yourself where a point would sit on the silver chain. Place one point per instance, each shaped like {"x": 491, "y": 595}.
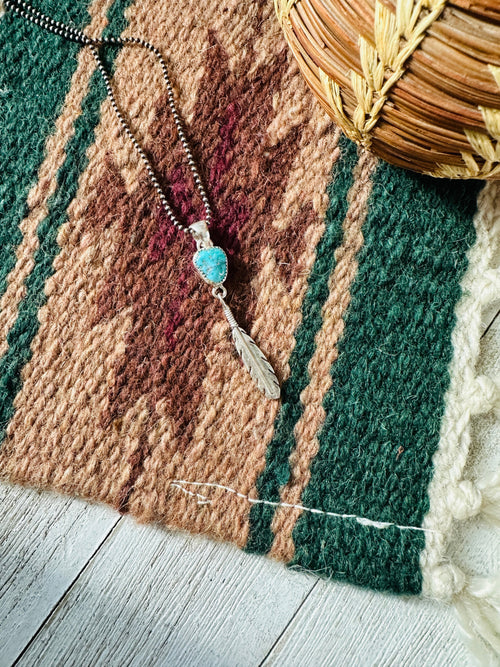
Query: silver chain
{"x": 252, "y": 357}
{"x": 31, "y": 14}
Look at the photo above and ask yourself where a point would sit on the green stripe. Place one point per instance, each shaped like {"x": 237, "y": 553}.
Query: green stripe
{"x": 26, "y": 326}
{"x": 35, "y": 77}
{"x": 389, "y": 383}
{"x": 277, "y": 471}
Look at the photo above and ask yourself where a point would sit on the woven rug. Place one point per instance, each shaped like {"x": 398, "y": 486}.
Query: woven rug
{"x": 362, "y": 283}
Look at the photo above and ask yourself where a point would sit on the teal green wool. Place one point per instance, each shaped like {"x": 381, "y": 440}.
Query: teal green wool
{"x": 211, "y": 264}
{"x": 386, "y": 403}
{"x": 35, "y": 75}
{"x": 277, "y": 470}
{"x": 38, "y": 83}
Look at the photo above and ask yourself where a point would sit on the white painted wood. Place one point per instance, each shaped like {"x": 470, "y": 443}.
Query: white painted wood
{"x": 46, "y": 540}
{"x": 344, "y": 625}
{"x": 490, "y": 313}
{"x": 151, "y": 597}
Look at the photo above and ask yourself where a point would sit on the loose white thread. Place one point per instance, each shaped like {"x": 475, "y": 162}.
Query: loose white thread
{"x": 202, "y": 500}
{"x": 258, "y": 501}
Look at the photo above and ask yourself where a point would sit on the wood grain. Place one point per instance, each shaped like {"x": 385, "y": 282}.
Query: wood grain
{"x": 351, "y": 626}
{"x": 157, "y": 598}
{"x": 46, "y": 540}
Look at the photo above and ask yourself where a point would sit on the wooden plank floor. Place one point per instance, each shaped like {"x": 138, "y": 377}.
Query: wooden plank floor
{"x": 80, "y": 585}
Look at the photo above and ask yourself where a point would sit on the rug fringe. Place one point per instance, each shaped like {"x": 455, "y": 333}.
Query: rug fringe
{"x": 477, "y": 605}
{"x": 490, "y": 496}
{"x": 478, "y": 610}
{"x": 452, "y": 497}
{"x": 467, "y": 499}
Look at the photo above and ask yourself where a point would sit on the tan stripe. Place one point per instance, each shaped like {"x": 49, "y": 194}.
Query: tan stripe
{"x": 47, "y": 176}
{"x": 317, "y": 144}
{"x": 325, "y": 354}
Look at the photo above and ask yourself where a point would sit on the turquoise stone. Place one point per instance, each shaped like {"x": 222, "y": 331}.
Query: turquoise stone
{"x": 211, "y": 264}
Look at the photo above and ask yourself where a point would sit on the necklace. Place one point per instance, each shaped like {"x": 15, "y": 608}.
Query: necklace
{"x": 210, "y": 261}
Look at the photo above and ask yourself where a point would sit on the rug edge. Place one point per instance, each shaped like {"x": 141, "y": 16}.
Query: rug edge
{"x": 453, "y": 497}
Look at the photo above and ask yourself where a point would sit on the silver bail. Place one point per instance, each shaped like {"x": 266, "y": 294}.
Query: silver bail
{"x": 201, "y": 235}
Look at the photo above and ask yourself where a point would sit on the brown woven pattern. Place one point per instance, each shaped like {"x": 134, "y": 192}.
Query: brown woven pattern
{"x": 130, "y": 351}
{"x": 416, "y": 82}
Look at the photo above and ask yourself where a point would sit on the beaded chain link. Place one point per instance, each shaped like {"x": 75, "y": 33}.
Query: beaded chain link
{"x": 37, "y": 17}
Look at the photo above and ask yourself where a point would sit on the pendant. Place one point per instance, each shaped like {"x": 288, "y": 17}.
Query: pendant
{"x": 211, "y": 263}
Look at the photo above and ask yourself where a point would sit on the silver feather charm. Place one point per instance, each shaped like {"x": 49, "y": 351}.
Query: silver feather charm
{"x": 211, "y": 263}
{"x": 252, "y": 356}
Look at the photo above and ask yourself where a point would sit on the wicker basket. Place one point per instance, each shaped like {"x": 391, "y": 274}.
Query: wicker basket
{"x": 415, "y": 81}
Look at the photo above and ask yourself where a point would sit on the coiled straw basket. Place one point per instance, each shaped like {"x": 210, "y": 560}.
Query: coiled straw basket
{"x": 415, "y": 81}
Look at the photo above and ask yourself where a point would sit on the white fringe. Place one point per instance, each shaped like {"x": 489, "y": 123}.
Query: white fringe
{"x": 490, "y": 498}
{"x": 478, "y": 610}
{"x": 467, "y": 499}
{"x": 476, "y": 599}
